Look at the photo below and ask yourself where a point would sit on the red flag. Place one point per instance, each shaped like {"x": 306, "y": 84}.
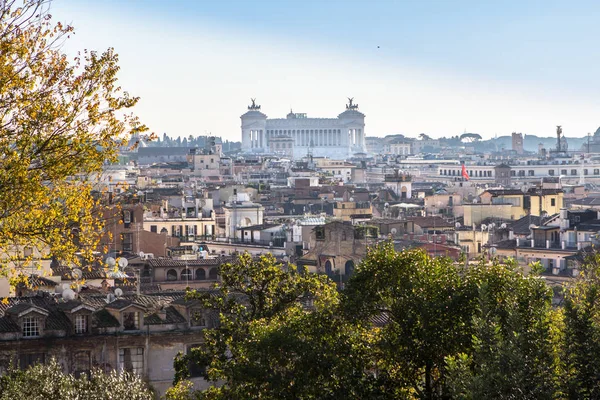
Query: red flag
{"x": 464, "y": 172}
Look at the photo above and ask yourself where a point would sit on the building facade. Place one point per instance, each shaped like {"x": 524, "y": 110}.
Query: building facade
{"x": 339, "y": 137}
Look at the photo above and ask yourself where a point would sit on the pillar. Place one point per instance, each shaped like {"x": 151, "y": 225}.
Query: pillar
{"x": 261, "y": 136}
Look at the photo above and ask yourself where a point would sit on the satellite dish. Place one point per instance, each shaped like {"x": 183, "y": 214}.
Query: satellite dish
{"x": 386, "y": 205}
{"x": 483, "y": 227}
{"x": 393, "y": 231}
{"x": 142, "y": 254}
{"x": 503, "y": 226}
{"x": 110, "y": 298}
{"x": 474, "y": 201}
{"x": 76, "y": 274}
{"x": 123, "y": 262}
{"x": 351, "y": 199}
{"x": 531, "y": 226}
{"x": 457, "y": 225}
{"x": 118, "y": 292}
{"x": 111, "y": 262}
{"x": 68, "y": 294}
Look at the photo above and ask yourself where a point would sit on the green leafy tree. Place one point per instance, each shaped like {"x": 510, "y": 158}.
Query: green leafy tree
{"x": 428, "y": 311}
{"x": 280, "y": 336}
{"x": 581, "y": 355}
{"x": 61, "y": 120}
{"x": 48, "y": 382}
{"x": 514, "y": 349}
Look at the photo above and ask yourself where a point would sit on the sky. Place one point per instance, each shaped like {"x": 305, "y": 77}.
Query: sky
{"x": 436, "y": 67}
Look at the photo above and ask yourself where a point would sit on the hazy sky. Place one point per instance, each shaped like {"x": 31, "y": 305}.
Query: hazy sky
{"x": 440, "y": 67}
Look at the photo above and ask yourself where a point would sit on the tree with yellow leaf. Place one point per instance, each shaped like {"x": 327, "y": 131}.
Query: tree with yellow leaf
{"x": 61, "y": 120}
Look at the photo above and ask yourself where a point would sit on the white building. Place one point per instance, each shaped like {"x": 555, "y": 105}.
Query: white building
{"x": 339, "y": 137}
{"x": 240, "y": 212}
{"x": 400, "y": 148}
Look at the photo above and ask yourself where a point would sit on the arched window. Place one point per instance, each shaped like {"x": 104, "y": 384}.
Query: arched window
{"x": 349, "y": 268}
{"x": 186, "y": 275}
{"x": 200, "y": 274}
{"x": 212, "y": 274}
{"x": 164, "y": 230}
{"x": 328, "y": 269}
{"x": 146, "y": 271}
{"x": 171, "y": 275}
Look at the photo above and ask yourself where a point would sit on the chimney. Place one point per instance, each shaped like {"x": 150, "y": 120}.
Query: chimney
{"x": 162, "y": 313}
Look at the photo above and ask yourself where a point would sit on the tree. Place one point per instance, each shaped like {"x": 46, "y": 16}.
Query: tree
{"x": 514, "y": 349}
{"x": 581, "y": 344}
{"x": 280, "y": 336}
{"x": 61, "y": 120}
{"x": 427, "y": 310}
{"x": 48, "y": 382}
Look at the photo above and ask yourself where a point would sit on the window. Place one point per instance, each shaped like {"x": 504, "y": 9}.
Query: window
{"x": 212, "y": 274}
{"x": 585, "y": 171}
{"x": 552, "y": 202}
{"x": 197, "y": 318}
{"x": 596, "y": 171}
{"x": 531, "y": 172}
{"x": 573, "y": 172}
{"x": 153, "y": 228}
{"x": 81, "y": 363}
{"x": 195, "y": 370}
{"x": 171, "y": 275}
{"x": 343, "y": 235}
{"x": 320, "y": 232}
{"x": 127, "y": 241}
{"x": 31, "y": 359}
{"x": 200, "y": 274}
{"x": 512, "y": 173}
{"x": 563, "y": 171}
{"x": 551, "y": 172}
{"x": 186, "y": 275}
{"x": 31, "y": 327}
{"x": 132, "y": 360}
{"x": 81, "y": 324}
{"x": 126, "y": 217}
{"x": 131, "y": 321}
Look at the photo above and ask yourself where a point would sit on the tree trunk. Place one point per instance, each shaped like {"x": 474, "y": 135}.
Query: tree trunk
{"x": 428, "y": 388}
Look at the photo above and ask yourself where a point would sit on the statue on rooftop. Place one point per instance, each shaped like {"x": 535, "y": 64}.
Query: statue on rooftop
{"x": 350, "y": 105}
{"x": 253, "y": 106}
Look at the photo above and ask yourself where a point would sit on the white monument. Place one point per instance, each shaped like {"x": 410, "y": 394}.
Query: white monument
{"x": 337, "y": 138}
